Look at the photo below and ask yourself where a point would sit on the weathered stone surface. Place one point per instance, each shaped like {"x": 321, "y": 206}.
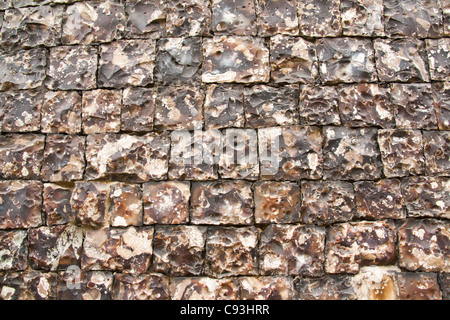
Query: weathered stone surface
{"x": 126, "y": 62}
{"x": 444, "y": 281}
{"x": 276, "y": 202}
{"x": 319, "y": 105}
{"x": 31, "y": 27}
{"x": 194, "y": 156}
{"x": 293, "y": 60}
{"x": 89, "y": 201}
{"x": 56, "y": 204}
{"x": 179, "y": 250}
{"x": 178, "y": 108}
{"x": 224, "y": 106}
{"x": 21, "y": 156}
{"x": 239, "y": 156}
{"x": 362, "y": 18}
{"x": 125, "y": 205}
{"x": 101, "y": 111}
{"x": 366, "y": 105}
{"x": 418, "y": 286}
{"x": 327, "y": 202}
{"x": 356, "y": 244}
{"x": 235, "y": 59}
{"x": 295, "y": 152}
{"x": 54, "y": 248}
{"x": 419, "y": 18}
{"x": 376, "y": 283}
{"x": 127, "y": 157}
{"x": 328, "y": 287}
{"x": 140, "y": 287}
{"x": 178, "y": 60}
{"x": 126, "y": 250}
{"x": 222, "y": 202}
{"x": 267, "y": 106}
{"x": 346, "y": 60}
{"x": 91, "y": 285}
{"x": 21, "y": 111}
{"x": 423, "y": 245}
{"x": 188, "y": 18}
{"x": 72, "y": 68}
{"x": 441, "y": 96}
{"x": 166, "y": 202}
{"x": 61, "y": 112}
{"x": 401, "y": 152}
{"x": 319, "y": 18}
{"x": 203, "y": 288}
{"x": 63, "y": 158}
{"x": 234, "y": 17}
{"x": 438, "y": 57}
{"x": 403, "y": 60}
{"x": 26, "y": 3}
{"x": 138, "y": 108}
{"x": 427, "y": 196}
{"x": 267, "y": 288}
{"x": 5, "y": 4}
{"x": 29, "y": 285}
{"x": 145, "y": 18}
{"x": 231, "y": 251}
{"x": 291, "y": 250}
{"x": 351, "y": 153}
{"x": 379, "y": 200}
{"x": 22, "y": 69}
{"x": 445, "y": 6}
{"x": 93, "y": 22}
{"x": 436, "y": 145}
{"x": 276, "y": 17}
{"x": 13, "y": 250}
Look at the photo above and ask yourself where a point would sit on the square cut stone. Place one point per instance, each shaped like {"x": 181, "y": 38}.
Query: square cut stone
{"x": 319, "y": 18}
{"x": 188, "y": 18}
{"x": 90, "y": 285}
{"x": 13, "y": 250}
{"x": 140, "y": 287}
{"x": 445, "y": 6}
{"x": 418, "y": 286}
{"x": 90, "y": 200}
{"x": 276, "y": 17}
{"x": 56, "y": 204}
{"x": 438, "y": 57}
{"x": 61, "y": 112}
{"x": 204, "y": 288}
{"x": 267, "y": 288}
{"x": 328, "y": 287}
{"x": 138, "y": 108}
{"x": 436, "y": 145}
{"x": 319, "y": 105}
{"x": 29, "y": 285}
{"x": 145, "y": 18}
{"x": 362, "y": 18}
{"x": 125, "y": 205}
{"x": 234, "y": 17}
{"x": 224, "y": 106}
{"x": 21, "y": 111}
{"x": 441, "y": 96}
{"x": 101, "y": 111}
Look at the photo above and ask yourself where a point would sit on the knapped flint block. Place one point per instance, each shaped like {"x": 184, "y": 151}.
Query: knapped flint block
{"x": 224, "y": 106}
{"x": 327, "y": 287}
{"x": 204, "y": 288}
{"x": 319, "y": 18}
{"x": 61, "y": 112}
{"x": 56, "y": 204}
{"x": 438, "y": 57}
{"x": 436, "y": 145}
{"x": 418, "y": 286}
{"x": 234, "y": 17}
{"x": 267, "y": 288}
{"x": 89, "y": 202}
{"x": 5, "y": 4}
{"x": 444, "y": 282}
{"x": 138, "y": 108}
{"x": 445, "y": 6}
{"x": 188, "y": 18}
{"x": 362, "y": 18}
{"x": 125, "y": 205}
{"x": 318, "y": 105}
{"x": 145, "y": 18}
{"x": 286, "y": 249}
{"x": 101, "y": 111}
{"x": 276, "y": 17}
{"x": 29, "y": 285}
{"x": 21, "y": 111}
{"x": 376, "y": 283}
{"x": 140, "y": 287}
{"x": 90, "y": 285}
{"x": 13, "y": 250}
{"x": 441, "y": 94}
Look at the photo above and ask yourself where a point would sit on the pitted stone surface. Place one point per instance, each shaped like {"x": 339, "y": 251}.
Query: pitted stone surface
{"x": 29, "y": 285}
{"x": 188, "y": 18}
{"x": 21, "y": 111}
{"x": 138, "y": 108}
{"x": 436, "y": 146}
{"x": 362, "y": 18}
{"x": 276, "y": 17}
{"x": 101, "y": 111}
{"x": 267, "y": 288}
{"x": 91, "y": 285}
{"x": 438, "y": 56}
{"x": 318, "y": 105}
{"x": 319, "y": 18}
{"x": 203, "y": 288}
{"x": 145, "y": 18}
{"x": 56, "y": 204}
{"x": 61, "y": 112}
{"x": 329, "y": 287}
{"x": 441, "y": 94}
{"x": 140, "y": 287}
{"x": 89, "y": 201}
{"x": 418, "y": 286}
{"x": 13, "y": 250}
{"x": 224, "y": 106}
{"x": 125, "y": 205}
{"x": 234, "y": 17}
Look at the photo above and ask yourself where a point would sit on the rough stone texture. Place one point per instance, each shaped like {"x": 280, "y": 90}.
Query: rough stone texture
{"x": 101, "y": 111}
{"x": 376, "y": 283}
{"x": 329, "y": 287}
{"x": 203, "y": 288}
{"x": 445, "y": 6}
{"x": 438, "y": 56}
{"x": 444, "y": 281}
{"x": 319, "y": 18}
{"x": 21, "y": 111}
{"x": 56, "y": 204}
{"x": 224, "y": 106}
{"x": 61, "y": 112}
{"x": 90, "y": 285}
{"x": 145, "y": 18}
{"x": 188, "y": 18}
{"x": 436, "y": 145}
{"x": 234, "y": 17}
{"x": 13, "y": 250}
{"x": 441, "y": 93}
{"x": 29, "y": 285}
{"x": 267, "y": 288}
{"x": 318, "y": 105}
{"x": 276, "y": 17}
{"x": 140, "y": 287}
{"x": 138, "y": 108}
{"x": 362, "y": 18}
{"x": 89, "y": 201}
{"x": 125, "y": 205}
{"x": 418, "y": 286}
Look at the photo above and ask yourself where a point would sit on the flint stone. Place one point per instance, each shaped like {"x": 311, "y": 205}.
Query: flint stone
{"x": 403, "y": 60}
{"x": 376, "y": 283}
{"x": 178, "y": 60}
{"x": 267, "y": 288}
{"x": 20, "y": 204}
{"x": 125, "y": 250}
{"x": 125, "y": 205}
{"x": 29, "y": 285}
{"x": 61, "y": 112}
{"x": 328, "y": 287}
{"x": 126, "y": 62}
{"x": 293, "y": 60}
{"x": 231, "y": 251}
{"x": 91, "y": 285}
{"x": 222, "y": 202}
{"x": 179, "y": 250}
{"x": 72, "y": 68}
{"x": 423, "y": 245}
{"x": 379, "y": 200}
{"x": 31, "y": 27}
{"x": 319, "y": 18}
{"x": 401, "y": 152}
{"x": 166, "y": 202}
{"x": 89, "y": 201}
{"x": 101, "y": 111}
{"x": 26, "y": 3}
{"x": 436, "y": 146}
{"x": 319, "y": 105}
{"x": 56, "y": 204}
{"x": 203, "y": 288}
{"x": 298, "y": 156}
{"x": 21, "y": 111}
{"x": 276, "y": 17}
{"x": 13, "y": 250}
{"x": 224, "y": 106}
{"x": 418, "y": 18}
{"x": 188, "y": 18}
{"x": 5, "y": 4}
{"x": 235, "y": 59}
{"x": 291, "y": 250}
{"x": 327, "y": 202}
{"x": 63, "y": 158}
{"x": 178, "y": 108}
{"x": 351, "y": 154}
{"x": 141, "y": 287}
{"x": 362, "y": 18}
{"x": 445, "y": 6}
{"x": 276, "y": 202}
{"x": 138, "y": 108}
{"x": 234, "y": 17}
{"x": 55, "y": 248}
{"x": 438, "y": 58}
{"x": 93, "y": 22}
{"x": 22, "y": 69}
{"x": 145, "y": 18}
{"x": 355, "y": 244}
{"x": 418, "y": 286}
{"x": 444, "y": 281}
{"x": 441, "y": 96}
{"x": 21, "y": 156}
{"x": 126, "y": 157}
{"x": 239, "y": 157}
